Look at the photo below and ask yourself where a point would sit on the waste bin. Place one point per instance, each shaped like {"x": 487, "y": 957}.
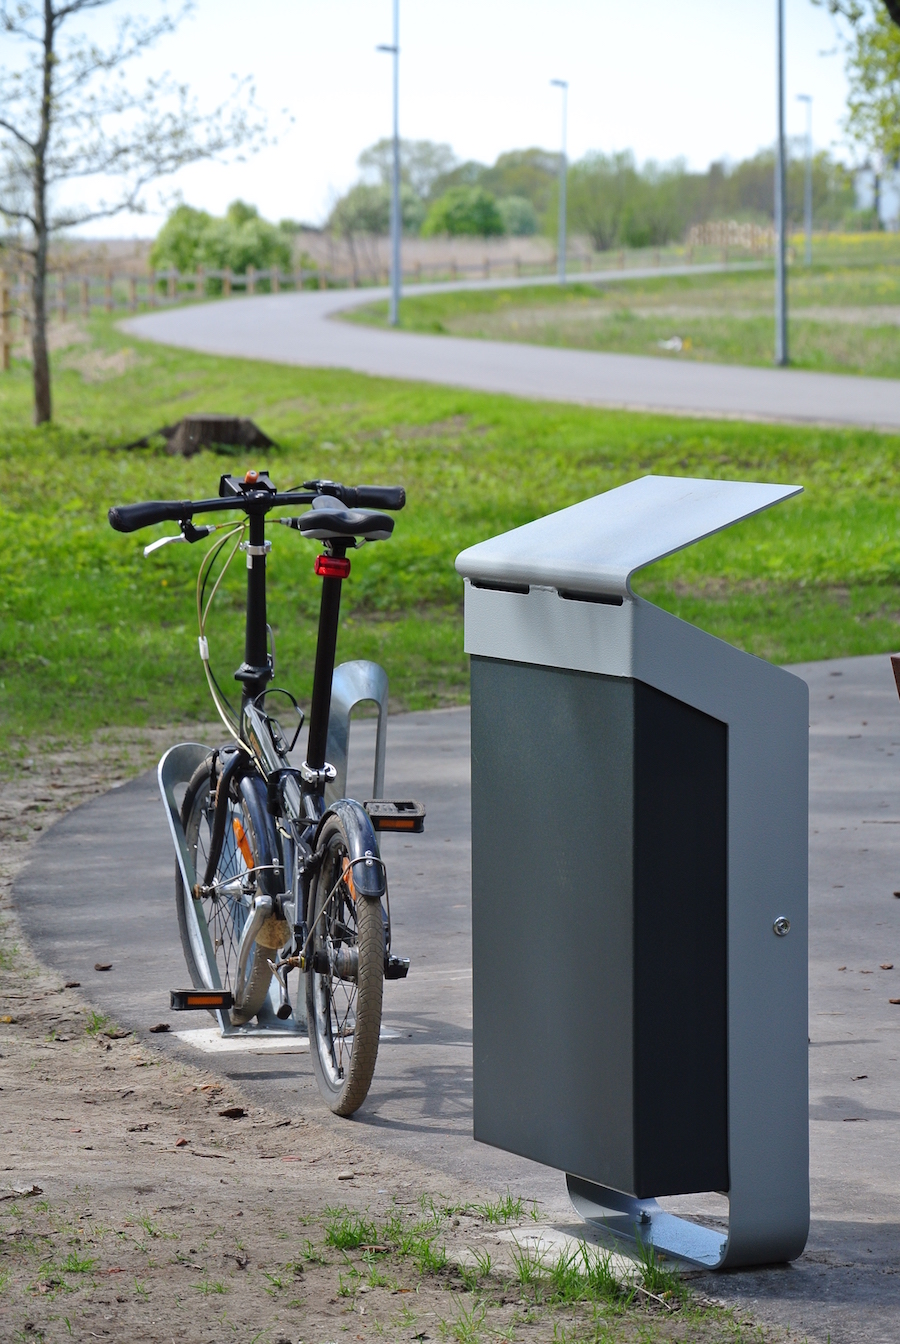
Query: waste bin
{"x": 639, "y": 880}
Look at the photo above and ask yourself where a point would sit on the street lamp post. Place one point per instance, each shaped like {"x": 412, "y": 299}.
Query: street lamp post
{"x": 807, "y": 185}
{"x": 781, "y": 336}
{"x": 563, "y": 167}
{"x": 396, "y": 218}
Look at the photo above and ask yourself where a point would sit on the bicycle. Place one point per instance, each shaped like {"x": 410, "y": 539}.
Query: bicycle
{"x": 270, "y": 877}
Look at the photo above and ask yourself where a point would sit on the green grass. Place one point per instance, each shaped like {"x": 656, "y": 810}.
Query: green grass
{"x": 94, "y": 636}
{"x": 843, "y": 316}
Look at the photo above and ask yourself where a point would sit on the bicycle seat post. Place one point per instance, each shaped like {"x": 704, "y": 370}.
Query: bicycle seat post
{"x": 333, "y": 568}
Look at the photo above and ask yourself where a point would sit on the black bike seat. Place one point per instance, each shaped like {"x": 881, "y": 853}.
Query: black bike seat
{"x": 329, "y": 519}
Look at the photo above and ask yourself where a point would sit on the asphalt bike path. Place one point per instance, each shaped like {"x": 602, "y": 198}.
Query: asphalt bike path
{"x": 297, "y": 329}
{"x": 100, "y": 889}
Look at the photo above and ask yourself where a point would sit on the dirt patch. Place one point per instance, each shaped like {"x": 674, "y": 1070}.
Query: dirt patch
{"x": 143, "y": 1199}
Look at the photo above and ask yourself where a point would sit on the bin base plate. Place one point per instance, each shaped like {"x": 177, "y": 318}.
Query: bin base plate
{"x": 642, "y": 1221}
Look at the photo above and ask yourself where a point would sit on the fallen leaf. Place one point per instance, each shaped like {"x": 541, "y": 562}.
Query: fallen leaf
{"x": 117, "y": 1034}
{"x": 160, "y": 1026}
{"x": 72, "y": 984}
{"x": 23, "y": 1191}
{"x": 887, "y": 965}
{"x": 114, "y": 1270}
{"x": 9, "y": 1020}
{"x": 893, "y": 1000}
{"x": 233, "y": 1113}
{"x": 842, "y": 968}
{"x": 137, "y": 1129}
{"x": 182, "y": 1143}
{"x": 210, "y": 1087}
{"x": 102, "y": 965}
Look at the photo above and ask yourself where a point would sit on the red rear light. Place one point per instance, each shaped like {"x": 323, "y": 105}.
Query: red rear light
{"x": 332, "y": 566}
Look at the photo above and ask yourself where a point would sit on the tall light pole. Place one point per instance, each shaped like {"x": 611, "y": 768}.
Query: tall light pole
{"x": 563, "y": 168}
{"x": 781, "y": 336}
{"x": 396, "y": 218}
{"x": 807, "y": 185}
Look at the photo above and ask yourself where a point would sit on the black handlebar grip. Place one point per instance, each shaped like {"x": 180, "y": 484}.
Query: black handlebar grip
{"x": 380, "y": 496}
{"x": 130, "y": 517}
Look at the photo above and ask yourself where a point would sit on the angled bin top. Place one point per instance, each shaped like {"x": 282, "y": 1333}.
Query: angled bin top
{"x": 596, "y": 546}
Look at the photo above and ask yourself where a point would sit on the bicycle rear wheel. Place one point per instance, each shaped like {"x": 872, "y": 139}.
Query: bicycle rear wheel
{"x": 211, "y": 927}
{"x": 345, "y": 985}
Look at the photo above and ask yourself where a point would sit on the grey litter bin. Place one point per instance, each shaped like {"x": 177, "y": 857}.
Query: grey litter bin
{"x": 639, "y": 880}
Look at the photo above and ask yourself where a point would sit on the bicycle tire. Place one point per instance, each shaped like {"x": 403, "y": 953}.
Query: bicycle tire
{"x": 243, "y": 848}
{"x": 343, "y": 1014}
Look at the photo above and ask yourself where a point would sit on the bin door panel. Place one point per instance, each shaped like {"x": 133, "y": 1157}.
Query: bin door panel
{"x": 552, "y": 926}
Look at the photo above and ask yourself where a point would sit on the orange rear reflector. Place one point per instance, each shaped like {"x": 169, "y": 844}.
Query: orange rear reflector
{"x": 243, "y": 843}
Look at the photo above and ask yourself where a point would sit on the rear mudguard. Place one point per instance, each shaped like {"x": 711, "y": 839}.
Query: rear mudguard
{"x": 368, "y": 870}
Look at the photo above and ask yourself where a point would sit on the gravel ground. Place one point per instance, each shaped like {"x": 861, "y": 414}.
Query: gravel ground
{"x": 143, "y": 1199}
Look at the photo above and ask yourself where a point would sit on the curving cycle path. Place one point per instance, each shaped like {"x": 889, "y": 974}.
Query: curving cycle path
{"x": 846, "y": 1287}
{"x": 297, "y": 329}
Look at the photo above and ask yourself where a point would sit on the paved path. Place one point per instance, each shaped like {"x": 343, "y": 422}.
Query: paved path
{"x": 295, "y": 329}
{"x": 77, "y": 909}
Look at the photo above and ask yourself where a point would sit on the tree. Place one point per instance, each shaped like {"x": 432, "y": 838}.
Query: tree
{"x": 191, "y": 238}
{"x": 464, "y": 210}
{"x": 421, "y": 163}
{"x": 67, "y": 116}
{"x": 519, "y": 216}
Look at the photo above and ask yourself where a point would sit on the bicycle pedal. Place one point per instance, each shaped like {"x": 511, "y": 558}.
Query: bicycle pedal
{"x": 388, "y": 815}
{"x": 195, "y": 1000}
{"x": 396, "y": 968}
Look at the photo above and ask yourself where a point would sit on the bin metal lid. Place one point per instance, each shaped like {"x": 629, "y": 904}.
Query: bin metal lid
{"x": 595, "y": 546}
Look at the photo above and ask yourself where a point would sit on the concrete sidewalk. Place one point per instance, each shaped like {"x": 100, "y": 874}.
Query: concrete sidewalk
{"x": 846, "y": 1287}
{"x": 296, "y": 329}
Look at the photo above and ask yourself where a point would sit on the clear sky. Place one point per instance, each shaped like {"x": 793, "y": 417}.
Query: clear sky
{"x": 693, "y": 79}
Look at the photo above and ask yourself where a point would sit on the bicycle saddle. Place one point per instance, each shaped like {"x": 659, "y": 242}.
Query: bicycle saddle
{"x": 329, "y": 519}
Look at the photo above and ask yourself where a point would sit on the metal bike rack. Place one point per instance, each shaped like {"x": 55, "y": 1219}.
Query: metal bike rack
{"x": 353, "y": 683}
{"x": 639, "y": 880}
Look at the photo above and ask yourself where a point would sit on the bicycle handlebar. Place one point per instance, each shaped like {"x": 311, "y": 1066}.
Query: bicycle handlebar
{"x": 132, "y": 517}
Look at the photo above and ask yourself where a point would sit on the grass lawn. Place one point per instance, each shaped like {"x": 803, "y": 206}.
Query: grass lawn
{"x": 93, "y": 635}
{"x": 843, "y": 317}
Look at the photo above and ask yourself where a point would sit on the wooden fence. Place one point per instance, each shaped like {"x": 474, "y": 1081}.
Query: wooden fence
{"x": 71, "y": 294}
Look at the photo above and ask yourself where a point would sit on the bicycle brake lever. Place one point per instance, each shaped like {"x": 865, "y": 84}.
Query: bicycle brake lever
{"x": 189, "y": 533}
{"x": 162, "y": 541}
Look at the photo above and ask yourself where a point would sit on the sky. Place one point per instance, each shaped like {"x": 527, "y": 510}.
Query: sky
{"x": 694, "y": 80}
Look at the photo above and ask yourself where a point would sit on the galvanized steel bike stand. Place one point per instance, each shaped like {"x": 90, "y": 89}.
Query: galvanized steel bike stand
{"x": 639, "y": 891}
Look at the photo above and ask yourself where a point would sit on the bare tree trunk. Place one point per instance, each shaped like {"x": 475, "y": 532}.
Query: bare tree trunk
{"x": 40, "y": 362}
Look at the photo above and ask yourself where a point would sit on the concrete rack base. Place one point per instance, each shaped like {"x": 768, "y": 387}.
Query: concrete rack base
{"x": 639, "y": 888}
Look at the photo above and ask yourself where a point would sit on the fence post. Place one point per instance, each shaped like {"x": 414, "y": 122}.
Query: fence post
{"x": 226, "y": 283}
{"x": 4, "y": 322}
{"x": 251, "y": 280}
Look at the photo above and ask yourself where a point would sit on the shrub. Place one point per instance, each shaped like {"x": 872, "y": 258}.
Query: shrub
{"x": 519, "y": 216}
{"x": 464, "y": 210}
{"x": 191, "y": 238}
